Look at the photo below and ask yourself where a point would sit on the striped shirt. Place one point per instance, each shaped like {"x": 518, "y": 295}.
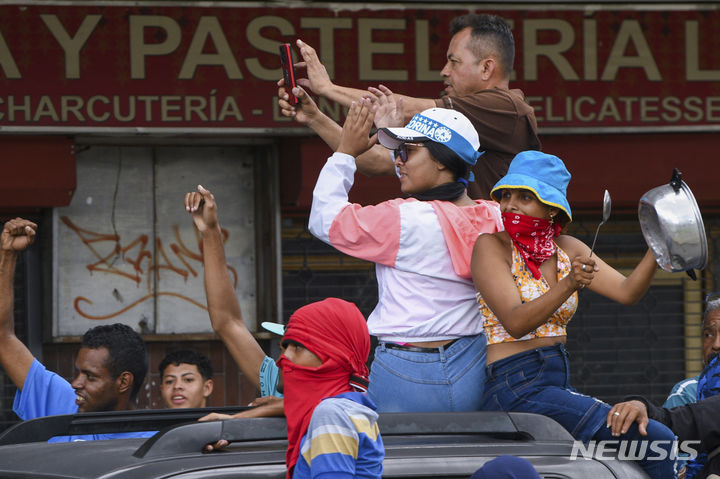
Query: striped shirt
{"x": 342, "y": 441}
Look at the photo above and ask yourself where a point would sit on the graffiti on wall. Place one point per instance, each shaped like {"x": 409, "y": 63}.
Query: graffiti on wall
{"x": 133, "y": 260}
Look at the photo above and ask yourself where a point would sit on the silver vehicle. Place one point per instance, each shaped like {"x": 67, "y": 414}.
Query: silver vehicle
{"x": 418, "y": 445}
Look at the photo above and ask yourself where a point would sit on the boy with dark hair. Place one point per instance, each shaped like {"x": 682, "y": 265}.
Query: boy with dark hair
{"x": 110, "y": 365}
{"x": 186, "y": 379}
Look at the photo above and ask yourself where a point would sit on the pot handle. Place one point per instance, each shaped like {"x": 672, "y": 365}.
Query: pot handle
{"x": 676, "y": 180}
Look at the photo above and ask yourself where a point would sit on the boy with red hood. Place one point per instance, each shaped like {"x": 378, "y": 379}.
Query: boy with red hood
{"x": 332, "y": 425}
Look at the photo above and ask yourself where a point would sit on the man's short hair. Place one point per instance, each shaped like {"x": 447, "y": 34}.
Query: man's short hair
{"x": 126, "y": 351}
{"x": 488, "y": 32}
{"x": 188, "y": 356}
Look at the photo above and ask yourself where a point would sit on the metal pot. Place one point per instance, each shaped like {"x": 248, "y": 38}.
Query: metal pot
{"x": 672, "y": 226}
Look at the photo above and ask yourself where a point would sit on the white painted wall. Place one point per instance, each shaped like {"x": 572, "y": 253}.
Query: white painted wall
{"x": 156, "y": 284}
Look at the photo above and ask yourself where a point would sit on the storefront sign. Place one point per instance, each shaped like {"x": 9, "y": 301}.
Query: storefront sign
{"x": 106, "y": 66}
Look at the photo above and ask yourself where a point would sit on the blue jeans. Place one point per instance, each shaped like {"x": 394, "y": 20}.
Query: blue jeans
{"x": 538, "y": 381}
{"x": 450, "y": 380}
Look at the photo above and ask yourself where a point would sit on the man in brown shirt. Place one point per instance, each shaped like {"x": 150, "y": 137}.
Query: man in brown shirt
{"x": 476, "y": 77}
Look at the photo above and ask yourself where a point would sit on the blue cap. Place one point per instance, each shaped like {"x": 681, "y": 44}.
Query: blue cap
{"x": 543, "y": 174}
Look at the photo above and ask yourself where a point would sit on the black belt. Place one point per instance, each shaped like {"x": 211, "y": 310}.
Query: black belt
{"x": 417, "y": 349}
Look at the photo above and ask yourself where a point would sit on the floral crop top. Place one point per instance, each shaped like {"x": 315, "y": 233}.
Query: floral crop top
{"x": 531, "y": 288}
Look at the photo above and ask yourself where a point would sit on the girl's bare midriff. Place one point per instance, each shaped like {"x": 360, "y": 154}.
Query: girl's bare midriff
{"x": 496, "y": 352}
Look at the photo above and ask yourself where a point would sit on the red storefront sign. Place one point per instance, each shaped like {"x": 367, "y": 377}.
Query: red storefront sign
{"x": 89, "y": 67}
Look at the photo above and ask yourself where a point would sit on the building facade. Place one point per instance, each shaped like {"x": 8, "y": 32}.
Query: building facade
{"x": 111, "y": 111}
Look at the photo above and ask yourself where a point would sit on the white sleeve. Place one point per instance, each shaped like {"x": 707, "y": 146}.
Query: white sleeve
{"x": 331, "y": 194}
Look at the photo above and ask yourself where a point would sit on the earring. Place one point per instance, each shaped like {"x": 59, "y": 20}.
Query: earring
{"x": 552, "y": 219}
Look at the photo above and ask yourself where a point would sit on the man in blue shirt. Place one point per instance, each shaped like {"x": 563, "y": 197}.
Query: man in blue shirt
{"x": 110, "y": 366}
{"x": 685, "y": 392}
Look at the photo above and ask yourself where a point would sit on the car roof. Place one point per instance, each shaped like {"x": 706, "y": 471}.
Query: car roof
{"x": 417, "y": 445}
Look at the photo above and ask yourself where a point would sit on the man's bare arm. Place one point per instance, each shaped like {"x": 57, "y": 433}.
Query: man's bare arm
{"x": 223, "y": 307}
{"x": 319, "y": 82}
{"x": 377, "y": 161}
{"x": 15, "y": 357}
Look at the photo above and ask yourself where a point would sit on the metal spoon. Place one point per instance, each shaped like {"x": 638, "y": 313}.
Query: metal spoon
{"x": 607, "y": 205}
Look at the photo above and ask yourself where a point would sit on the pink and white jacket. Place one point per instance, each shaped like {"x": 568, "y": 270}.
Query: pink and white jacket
{"x": 422, "y": 251}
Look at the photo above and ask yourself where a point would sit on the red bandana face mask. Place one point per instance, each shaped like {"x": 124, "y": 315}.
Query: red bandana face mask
{"x": 533, "y": 238}
{"x": 304, "y": 387}
{"x": 336, "y": 332}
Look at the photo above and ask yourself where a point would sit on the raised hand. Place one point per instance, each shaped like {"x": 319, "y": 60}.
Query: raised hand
{"x": 389, "y": 111}
{"x": 355, "y": 138}
{"x": 17, "y": 235}
{"x": 317, "y": 79}
{"x": 202, "y": 206}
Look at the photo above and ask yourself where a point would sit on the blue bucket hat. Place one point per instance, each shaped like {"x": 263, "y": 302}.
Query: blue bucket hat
{"x": 543, "y": 174}
{"x": 441, "y": 125}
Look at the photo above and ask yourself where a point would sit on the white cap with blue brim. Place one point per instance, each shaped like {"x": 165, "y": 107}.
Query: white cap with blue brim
{"x": 441, "y": 125}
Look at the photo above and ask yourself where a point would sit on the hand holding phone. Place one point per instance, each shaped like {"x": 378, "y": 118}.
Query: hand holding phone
{"x": 288, "y": 71}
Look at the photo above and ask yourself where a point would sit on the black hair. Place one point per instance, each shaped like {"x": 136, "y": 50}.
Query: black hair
{"x": 490, "y": 35}
{"x": 449, "y": 158}
{"x": 562, "y": 218}
{"x": 188, "y": 356}
{"x": 126, "y": 351}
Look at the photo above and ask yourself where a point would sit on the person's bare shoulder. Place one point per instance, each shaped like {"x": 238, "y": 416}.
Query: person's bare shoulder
{"x": 493, "y": 243}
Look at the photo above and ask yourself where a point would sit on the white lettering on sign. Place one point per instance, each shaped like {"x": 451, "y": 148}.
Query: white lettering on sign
{"x": 209, "y": 47}
{"x": 209, "y": 29}
{"x": 607, "y": 50}
{"x": 692, "y": 55}
{"x": 623, "y": 110}
{"x": 326, "y": 28}
{"x": 7, "y": 62}
{"x": 139, "y": 49}
{"x": 629, "y": 34}
{"x": 102, "y": 108}
{"x": 370, "y": 48}
{"x": 71, "y": 45}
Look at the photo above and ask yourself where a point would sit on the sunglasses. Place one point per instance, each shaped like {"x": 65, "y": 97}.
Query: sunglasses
{"x": 402, "y": 151}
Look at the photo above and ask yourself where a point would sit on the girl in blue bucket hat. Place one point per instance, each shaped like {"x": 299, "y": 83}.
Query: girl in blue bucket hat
{"x": 431, "y": 351}
{"x": 527, "y": 278}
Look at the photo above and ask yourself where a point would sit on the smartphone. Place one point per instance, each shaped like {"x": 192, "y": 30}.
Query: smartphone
{"x": 288, "y": 71}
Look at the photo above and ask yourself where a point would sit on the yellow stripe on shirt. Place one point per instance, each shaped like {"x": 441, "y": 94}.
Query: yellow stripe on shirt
{"x": 331, "y": 443}
{"x": 364, "y": 426}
